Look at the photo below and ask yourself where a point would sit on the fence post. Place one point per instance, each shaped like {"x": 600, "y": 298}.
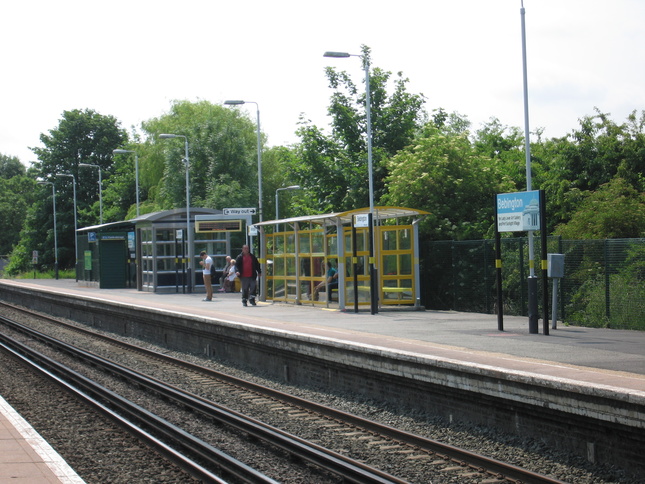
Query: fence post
{"x": 607, "y": 295}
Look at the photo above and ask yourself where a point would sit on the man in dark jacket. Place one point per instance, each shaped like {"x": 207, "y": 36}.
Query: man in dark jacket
{"x": 248, "y": 269}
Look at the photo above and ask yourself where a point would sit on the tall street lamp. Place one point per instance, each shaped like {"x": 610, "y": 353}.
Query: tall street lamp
{"x": 277, "y": 208}
{"x": 532, "y": 279}
{"x": 368, "y": 114}
{"x": 188, "y": 234}
{"x": 366, "y": 66}
{"x": 237, "y": 102}
{"x": 136, "y": 171}
{"x": 75, "y": 221}
{"x": 100, "y": 189}
{"x": 55, "y": 236}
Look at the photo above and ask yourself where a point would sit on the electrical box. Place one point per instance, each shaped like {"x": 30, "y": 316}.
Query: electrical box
{"x": 555, "y": 265}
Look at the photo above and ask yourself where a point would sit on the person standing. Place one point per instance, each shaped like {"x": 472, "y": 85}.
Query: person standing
{"x": 248, "y": 269}
{"x": 207, "y": 265}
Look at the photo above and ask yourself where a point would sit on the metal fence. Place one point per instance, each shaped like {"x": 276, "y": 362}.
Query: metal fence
{"x": 603, "y": 284}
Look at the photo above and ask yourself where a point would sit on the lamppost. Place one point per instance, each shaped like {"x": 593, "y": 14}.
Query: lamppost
{"x": 136, "y": 171}
{"x": 100, "y": 190}
{"x": 188, "y": 234}
{"x": 55, "y": 236}
{"x": 532, "y": 279}
{"x": 366, "y": 66}
{"x": 368, "y": 114}
{"x": 75, "y": 222}
{"x": 237, "y": 102}
{"x": 277, "y": 208}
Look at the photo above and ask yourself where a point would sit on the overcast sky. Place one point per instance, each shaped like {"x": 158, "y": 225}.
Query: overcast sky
{"x": 132, "y": 58}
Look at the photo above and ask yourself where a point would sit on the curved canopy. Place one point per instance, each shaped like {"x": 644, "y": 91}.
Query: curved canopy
{"x": 380, "y": 213}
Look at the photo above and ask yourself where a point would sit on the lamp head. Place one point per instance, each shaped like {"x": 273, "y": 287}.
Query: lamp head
{"x": 234, "y": 102}
{"x": 121, "y": 152}
{"x": 294, "y": 187}
{"x": 168, "y": 136}
{"x": 336, "y": 54}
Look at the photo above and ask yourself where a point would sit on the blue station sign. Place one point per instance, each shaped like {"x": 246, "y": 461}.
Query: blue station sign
{"x": 518, "y": 212}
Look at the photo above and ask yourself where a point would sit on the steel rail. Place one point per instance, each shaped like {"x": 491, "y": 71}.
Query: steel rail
{"x": 91, "y": 393}
{"x": 349, "y": 469}
{"x": 461, "y": 456}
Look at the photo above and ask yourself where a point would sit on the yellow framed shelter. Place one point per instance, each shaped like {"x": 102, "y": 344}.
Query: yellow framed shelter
{"x": 296, "y": 251}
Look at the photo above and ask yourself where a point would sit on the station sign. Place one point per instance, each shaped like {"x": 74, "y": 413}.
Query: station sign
{"x": 518, "y": 212}
{"x": 362, "y": 220}
{"x": 239, "y": 211}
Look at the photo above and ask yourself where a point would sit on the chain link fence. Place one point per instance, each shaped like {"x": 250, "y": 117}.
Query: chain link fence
{"x": 603, "y": 284}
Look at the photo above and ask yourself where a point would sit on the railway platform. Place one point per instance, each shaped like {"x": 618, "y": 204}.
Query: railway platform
{"x": 596, "y": 358}
{"x": 25, "y": 457}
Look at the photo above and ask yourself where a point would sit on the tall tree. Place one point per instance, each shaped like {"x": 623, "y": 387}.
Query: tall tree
{"x": 334, "y": 168}
{"x": 10, "y": 166}
{"x": 222, "y": 150}
{"x": 82, "y": 136}
{"x": 444, "y": 174}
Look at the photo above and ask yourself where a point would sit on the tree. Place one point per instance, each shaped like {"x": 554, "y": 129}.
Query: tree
{"x": 444, "y": 174}
{"x": 222, "y": 146}
{"x": 615, "y": 210}
{"x": 333, "y": 168}
{"x": 82, "y": 136}
{"x": 588, "y": 158}
{"x": 16, "y": 196}
{"x": 10, "y": 166}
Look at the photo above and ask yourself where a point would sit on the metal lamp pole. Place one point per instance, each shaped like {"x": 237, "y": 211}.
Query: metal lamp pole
{"x": 532, "y": 280}
{"x": 75, "y": 223}
{"x": 368, "y": 116}
{"x": 55, "y": 230}
{"x": 237, "y": 102}
{"x": 100, "y": 189}
{"x": 277, "y": 208}
{"x": 136, "y": 171}
{"x": 188, "y": 234}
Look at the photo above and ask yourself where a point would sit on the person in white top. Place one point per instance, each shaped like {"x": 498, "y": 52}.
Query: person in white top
{"x": 207, "y": 265}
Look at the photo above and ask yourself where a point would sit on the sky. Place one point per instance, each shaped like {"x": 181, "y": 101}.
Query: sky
{"x": 132, "y": 58}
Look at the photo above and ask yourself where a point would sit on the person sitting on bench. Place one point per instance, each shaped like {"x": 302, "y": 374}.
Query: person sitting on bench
{"x": 331, "y": 281}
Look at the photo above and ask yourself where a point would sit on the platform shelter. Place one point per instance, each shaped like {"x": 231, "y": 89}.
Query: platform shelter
{"x": 296, "y": 252}
{"x": 154, "y": 252}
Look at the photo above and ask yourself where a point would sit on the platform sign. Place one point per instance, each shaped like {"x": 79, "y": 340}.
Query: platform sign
{"x": 239, "y": 211}
{"x": 518, "y": 212}
{"x": 362, "y": 220}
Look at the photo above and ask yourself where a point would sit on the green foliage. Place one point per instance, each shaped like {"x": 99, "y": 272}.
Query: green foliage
{"x": 444, "y": 175}
{"x": 222, "y": 149}
{"x": 333, "y": 169}
{"x": 16, "y": 196}
{"x": 10, "y": 166}
{"x": 615, "y": 210}
{"x": 82, "y": 136}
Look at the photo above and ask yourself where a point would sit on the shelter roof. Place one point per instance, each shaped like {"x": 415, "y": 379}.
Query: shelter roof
{"x": 380, "y": 213}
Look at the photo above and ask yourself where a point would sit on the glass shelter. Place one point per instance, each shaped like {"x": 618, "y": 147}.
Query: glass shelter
{"x": 153, "y": 252}
{"x": 300, "y": 250}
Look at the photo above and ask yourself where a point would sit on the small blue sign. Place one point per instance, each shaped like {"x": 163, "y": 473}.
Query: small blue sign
{"x": 91, "y": 236}
{"x": 518, "y": 212}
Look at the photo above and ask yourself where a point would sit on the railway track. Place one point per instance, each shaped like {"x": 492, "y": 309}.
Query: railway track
{"x": 404, "y": 451}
